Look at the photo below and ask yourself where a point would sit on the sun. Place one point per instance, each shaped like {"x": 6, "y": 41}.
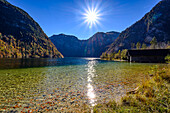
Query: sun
{"x": 92, "y": 13}
{"x": 92, "y": 16}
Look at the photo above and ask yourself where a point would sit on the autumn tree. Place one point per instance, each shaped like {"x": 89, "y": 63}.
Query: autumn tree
{"x": 138, "y": 45}
{"x": 153, "y": 43}
{"x": 144, "y": 46}
{"x": 118, "y": 55}
{"x": 112, "y": 55}
{"x": 0, "y": 35}
{"x": 132, "y": 45}
{"x": 123, "y": 54}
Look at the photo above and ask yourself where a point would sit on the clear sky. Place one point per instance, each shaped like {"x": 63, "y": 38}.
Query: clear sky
{"x": 68, "y": 16}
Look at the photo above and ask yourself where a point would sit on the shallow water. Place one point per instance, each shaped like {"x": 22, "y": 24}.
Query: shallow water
{"x": 69, "y": 84}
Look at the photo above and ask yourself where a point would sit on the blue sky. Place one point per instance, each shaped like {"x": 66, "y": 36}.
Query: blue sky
{"x": 66, "y": 16}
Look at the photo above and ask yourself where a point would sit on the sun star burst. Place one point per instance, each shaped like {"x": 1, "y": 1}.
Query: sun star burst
{"x": 92, "y": 16}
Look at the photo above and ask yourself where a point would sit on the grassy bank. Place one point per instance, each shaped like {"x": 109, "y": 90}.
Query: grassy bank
{"x": 151, "y": 96}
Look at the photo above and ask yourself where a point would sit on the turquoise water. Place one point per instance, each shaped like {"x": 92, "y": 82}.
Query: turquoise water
{"x": 63, "y": 85}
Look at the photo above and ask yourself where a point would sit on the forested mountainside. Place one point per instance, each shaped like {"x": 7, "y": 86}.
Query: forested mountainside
{"x": 71, "y": 46}
{"x": 156, "y": 24}
{"x": 21, "y": 36}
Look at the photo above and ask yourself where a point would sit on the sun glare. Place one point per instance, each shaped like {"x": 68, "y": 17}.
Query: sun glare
{"x": 92, "y": 15}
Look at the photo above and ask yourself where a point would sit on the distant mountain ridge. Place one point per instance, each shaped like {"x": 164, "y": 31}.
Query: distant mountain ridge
{"x": 71, "y": 46}
{"x": 156, "y": 23}
{"x": 28, "y": 38}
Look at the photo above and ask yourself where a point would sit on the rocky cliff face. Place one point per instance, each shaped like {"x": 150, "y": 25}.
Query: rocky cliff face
{"x": 156, "y": 23}
{"x": 71, "y": 46}
{"x": 27, "y": 36}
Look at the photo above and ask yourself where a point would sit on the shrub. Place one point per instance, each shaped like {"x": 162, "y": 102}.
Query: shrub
{"x": 167, "y": 58}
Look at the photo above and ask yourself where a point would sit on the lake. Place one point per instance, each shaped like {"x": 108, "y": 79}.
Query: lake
{"x": 65, "y": 85}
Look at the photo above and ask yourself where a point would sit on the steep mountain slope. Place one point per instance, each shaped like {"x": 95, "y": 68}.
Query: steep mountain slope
{"x": 71, "y": 46}
{"x": 156, "y": 23}
{"x": 29, "y": 38}
{"x": 99, "y": 43}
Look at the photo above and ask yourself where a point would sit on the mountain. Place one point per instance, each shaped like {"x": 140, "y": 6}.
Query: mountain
{"x": 156, "y": 23}
{"x": 99, "y": 43}
{"x": 71, "y": 46}
{"x": 21, "y": 36}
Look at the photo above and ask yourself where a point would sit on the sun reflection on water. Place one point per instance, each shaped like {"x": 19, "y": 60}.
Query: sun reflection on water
{"x": 91, "y": 73}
